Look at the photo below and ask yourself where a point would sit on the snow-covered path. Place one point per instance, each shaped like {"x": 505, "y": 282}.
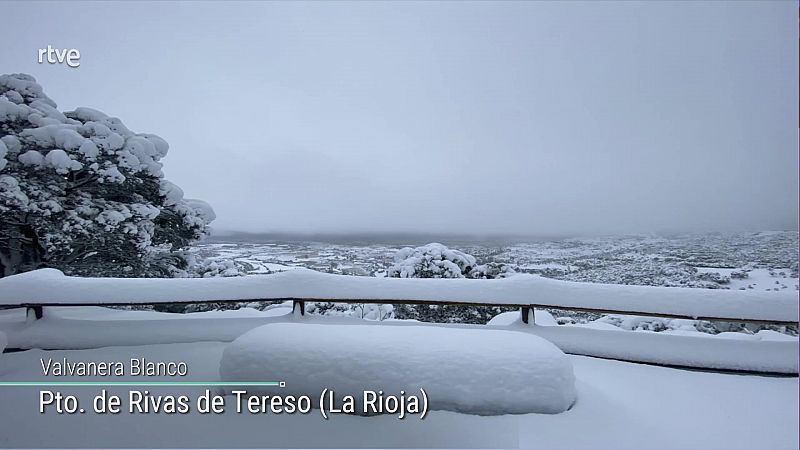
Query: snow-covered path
{"x": 620, "y": 405}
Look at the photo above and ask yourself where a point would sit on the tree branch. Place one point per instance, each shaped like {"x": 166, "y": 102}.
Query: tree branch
{"x": 84, "y": 182}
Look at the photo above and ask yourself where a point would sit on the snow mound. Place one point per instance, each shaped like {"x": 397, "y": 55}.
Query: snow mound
{"x": 487, "y": 372}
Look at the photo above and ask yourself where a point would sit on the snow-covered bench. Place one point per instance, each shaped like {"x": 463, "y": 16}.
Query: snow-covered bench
{"x": 460, "y": 369}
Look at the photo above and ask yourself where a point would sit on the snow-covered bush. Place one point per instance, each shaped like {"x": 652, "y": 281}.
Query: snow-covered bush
{"x": 209, "y": 268}
{"x": 714, "y": 277}
{"x": 435, "y": 260}
{"x": 367, "y": 311}
{"x": 640, "y": 323}
{"x": 82, "y": 193}
{"x": 658, "y": 324}
{"x": 491, "y": 270}
{"x": 739, "y": 274}
{"x": 431, "y": 261}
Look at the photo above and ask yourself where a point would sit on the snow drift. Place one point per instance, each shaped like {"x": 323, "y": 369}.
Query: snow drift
{"x": 485, "y": 372}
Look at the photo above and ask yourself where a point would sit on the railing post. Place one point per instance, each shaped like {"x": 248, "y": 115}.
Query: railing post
{"x": 299, "y": 304}
{"x": 34, "y": 313}
{"x": 527, "y": 313}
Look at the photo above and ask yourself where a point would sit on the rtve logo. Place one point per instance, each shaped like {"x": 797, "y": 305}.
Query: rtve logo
{"x": 70, "y": 57}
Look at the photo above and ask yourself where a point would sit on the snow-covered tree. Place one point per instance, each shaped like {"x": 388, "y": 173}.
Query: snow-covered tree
{"x": 82, "y": 193}
{"x": 435, "y": 260}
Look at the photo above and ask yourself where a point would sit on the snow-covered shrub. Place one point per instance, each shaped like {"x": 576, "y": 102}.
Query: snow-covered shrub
{"x": 714, "y": 277}
{"x": 641, "y": 323}
{"x": 209, "y": 268}
{"x": 367, "y": 311}
{"x": 82, "y": 193}
{"x": 435, "y": 260}
{"x": 491, "y": 270}
{"x": 658, "y": 324}
{"x": 431, "y": 261}
{"x": 739, "y": 274}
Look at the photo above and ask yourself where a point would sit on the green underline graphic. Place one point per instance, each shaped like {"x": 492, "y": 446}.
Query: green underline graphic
{"x": 142, "y": 383}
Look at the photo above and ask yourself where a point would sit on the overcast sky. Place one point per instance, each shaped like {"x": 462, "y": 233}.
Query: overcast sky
{"x": 483, "y": 118}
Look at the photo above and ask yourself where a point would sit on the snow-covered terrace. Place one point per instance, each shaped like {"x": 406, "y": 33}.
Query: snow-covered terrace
{"x": 618, "y": 404}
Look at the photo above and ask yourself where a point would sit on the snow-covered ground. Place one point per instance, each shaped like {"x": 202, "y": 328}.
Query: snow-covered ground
{"x": 765, "y": 262}
{"x": 619, "y": 405}
{"x": 653, "y": 260}
{"x": 758, "y": 279}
